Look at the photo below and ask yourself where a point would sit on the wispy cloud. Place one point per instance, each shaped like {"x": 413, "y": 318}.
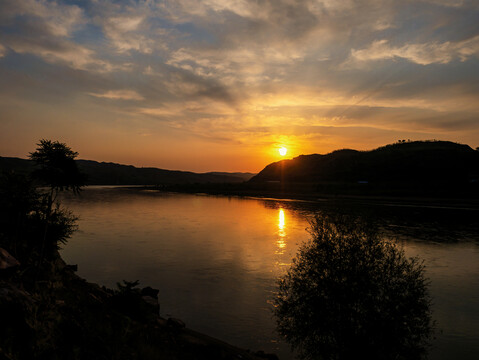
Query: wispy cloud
{"x": 60, "y": 52}
{"x": 3, "y": 50}
{"x": 119, "y": 95}
{"x": 45, "y": 29}
{"x": 125, "y": 33}
{"x": 56, "y": 18}
{"x": 448, "y": 3}
{"x": 423, "y": 54}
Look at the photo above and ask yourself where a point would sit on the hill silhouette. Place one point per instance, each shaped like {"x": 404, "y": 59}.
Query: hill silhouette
{"x": 103, "y": 173}
{"x": 400, "y": 164}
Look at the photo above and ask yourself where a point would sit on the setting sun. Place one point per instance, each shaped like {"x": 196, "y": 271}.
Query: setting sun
{"x": 282, "y": 151}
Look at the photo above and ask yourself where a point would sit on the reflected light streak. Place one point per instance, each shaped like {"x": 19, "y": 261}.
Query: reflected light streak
{"x": 281, "y": 221}
{"x": 281, "y": 243}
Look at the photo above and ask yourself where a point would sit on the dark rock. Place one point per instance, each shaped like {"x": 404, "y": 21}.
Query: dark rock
{"x": 149, "y": 291}
{"x": 16, "y": 308}
{"x": 6, "y": 260}
{"x": 151, "y": 308}
{"x": 175, "y": 323}
{"x": 73, "y": 267}
{"x": 263, "y": 355}
{"x": 149, "y": 300}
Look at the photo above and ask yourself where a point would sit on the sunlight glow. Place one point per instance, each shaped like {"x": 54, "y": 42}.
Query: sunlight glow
{"x": 281, "y": 220}
{"x": 281, "y": 243}
{"x": 282, "y": 151}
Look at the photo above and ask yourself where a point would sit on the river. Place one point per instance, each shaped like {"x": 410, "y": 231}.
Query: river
{"x": 216, "y": 259}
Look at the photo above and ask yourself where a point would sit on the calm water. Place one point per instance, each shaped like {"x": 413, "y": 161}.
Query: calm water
{"x": 216, "y": 259}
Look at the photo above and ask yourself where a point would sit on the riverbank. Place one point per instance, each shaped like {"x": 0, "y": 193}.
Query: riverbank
{"x": 51, "y": 313}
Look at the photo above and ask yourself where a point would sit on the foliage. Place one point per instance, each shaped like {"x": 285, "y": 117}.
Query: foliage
{"x": 23, "y": 217}
{"x": 351, "y": 294}
{"x": 57, "y": 167}
{"x": 128, "y": 288}
{"x": 127, "y": 299}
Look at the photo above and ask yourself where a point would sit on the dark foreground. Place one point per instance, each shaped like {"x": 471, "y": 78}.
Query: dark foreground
{"x": 54, "y": 314}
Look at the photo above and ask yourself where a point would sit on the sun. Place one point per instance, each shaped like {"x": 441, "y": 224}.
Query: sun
{"x": 282, "y": 151}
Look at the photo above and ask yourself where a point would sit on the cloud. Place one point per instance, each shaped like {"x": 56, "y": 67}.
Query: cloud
{"x": 3, "y": 51}
{"x": 58, "y": 19}
{"x": 448, "y": 3}
{"x": 237, "y": 66}
{"x": 164, "y": 111}
{"x": 126, "y": 33}
{"x": 44, "y": 29}
{"x": 58, "y": 51}
{"x": 185, "y": 85}
{"x": 423, "y": 54}
{"x": 190, "y": 110}
{"x": 119, "y": 95}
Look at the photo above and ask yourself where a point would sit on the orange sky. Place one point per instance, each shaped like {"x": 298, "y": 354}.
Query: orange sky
{"x": 221, "y": 85}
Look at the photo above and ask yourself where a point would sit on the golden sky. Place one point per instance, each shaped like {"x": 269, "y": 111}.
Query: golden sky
{"x": 220, "y": 85}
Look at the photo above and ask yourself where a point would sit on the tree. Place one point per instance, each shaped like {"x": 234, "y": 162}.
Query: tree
{"x": 350, "y": 294}
{"x": 56, "y": 167}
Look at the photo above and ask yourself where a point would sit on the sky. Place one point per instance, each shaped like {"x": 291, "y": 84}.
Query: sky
{"x": 220, "y": 85}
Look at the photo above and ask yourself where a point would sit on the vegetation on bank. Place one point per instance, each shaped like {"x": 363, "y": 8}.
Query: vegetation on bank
{"x": 32, "y": 224}
{"x": 351, "y": 294}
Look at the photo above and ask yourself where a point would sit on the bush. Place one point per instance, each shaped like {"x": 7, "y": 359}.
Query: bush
{"x": 32, "y": 224}
{"x": 351, "y": 294}
{"x": 29, "y": 224}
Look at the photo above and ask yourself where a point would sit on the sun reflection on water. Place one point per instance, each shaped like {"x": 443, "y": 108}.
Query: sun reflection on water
{"x": 281, "y": 243}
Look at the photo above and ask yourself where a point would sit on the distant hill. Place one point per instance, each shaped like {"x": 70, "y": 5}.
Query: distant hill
{"x": 102, "y": 173}
{"x": 245, "y": 176}
{"x": 402, "y": 164}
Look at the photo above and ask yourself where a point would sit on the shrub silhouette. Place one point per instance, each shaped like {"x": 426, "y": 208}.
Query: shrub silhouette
{"x": 350, "y": 294}
{"x": 23, "y": 218}
{"x": 32, "y": 224}
{"x": 56, "y": 167}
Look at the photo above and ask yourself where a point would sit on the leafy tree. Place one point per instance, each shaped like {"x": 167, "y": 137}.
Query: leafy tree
{"x": 57, "y": 167}
{"x": 350, "y": 294}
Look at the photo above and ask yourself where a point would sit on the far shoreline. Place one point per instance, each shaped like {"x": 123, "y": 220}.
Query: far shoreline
{"x": 453, "y": 203}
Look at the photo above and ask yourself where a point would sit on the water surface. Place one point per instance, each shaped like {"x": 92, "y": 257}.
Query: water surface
{"x": 216, "y": 259}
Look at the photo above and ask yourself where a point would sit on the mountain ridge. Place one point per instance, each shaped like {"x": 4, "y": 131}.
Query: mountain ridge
{"x": 109, "y": 173}
{"x": 405, "y": 162}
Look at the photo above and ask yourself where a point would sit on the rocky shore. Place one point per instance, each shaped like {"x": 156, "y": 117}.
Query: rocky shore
{"x": 49, "y": 312}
